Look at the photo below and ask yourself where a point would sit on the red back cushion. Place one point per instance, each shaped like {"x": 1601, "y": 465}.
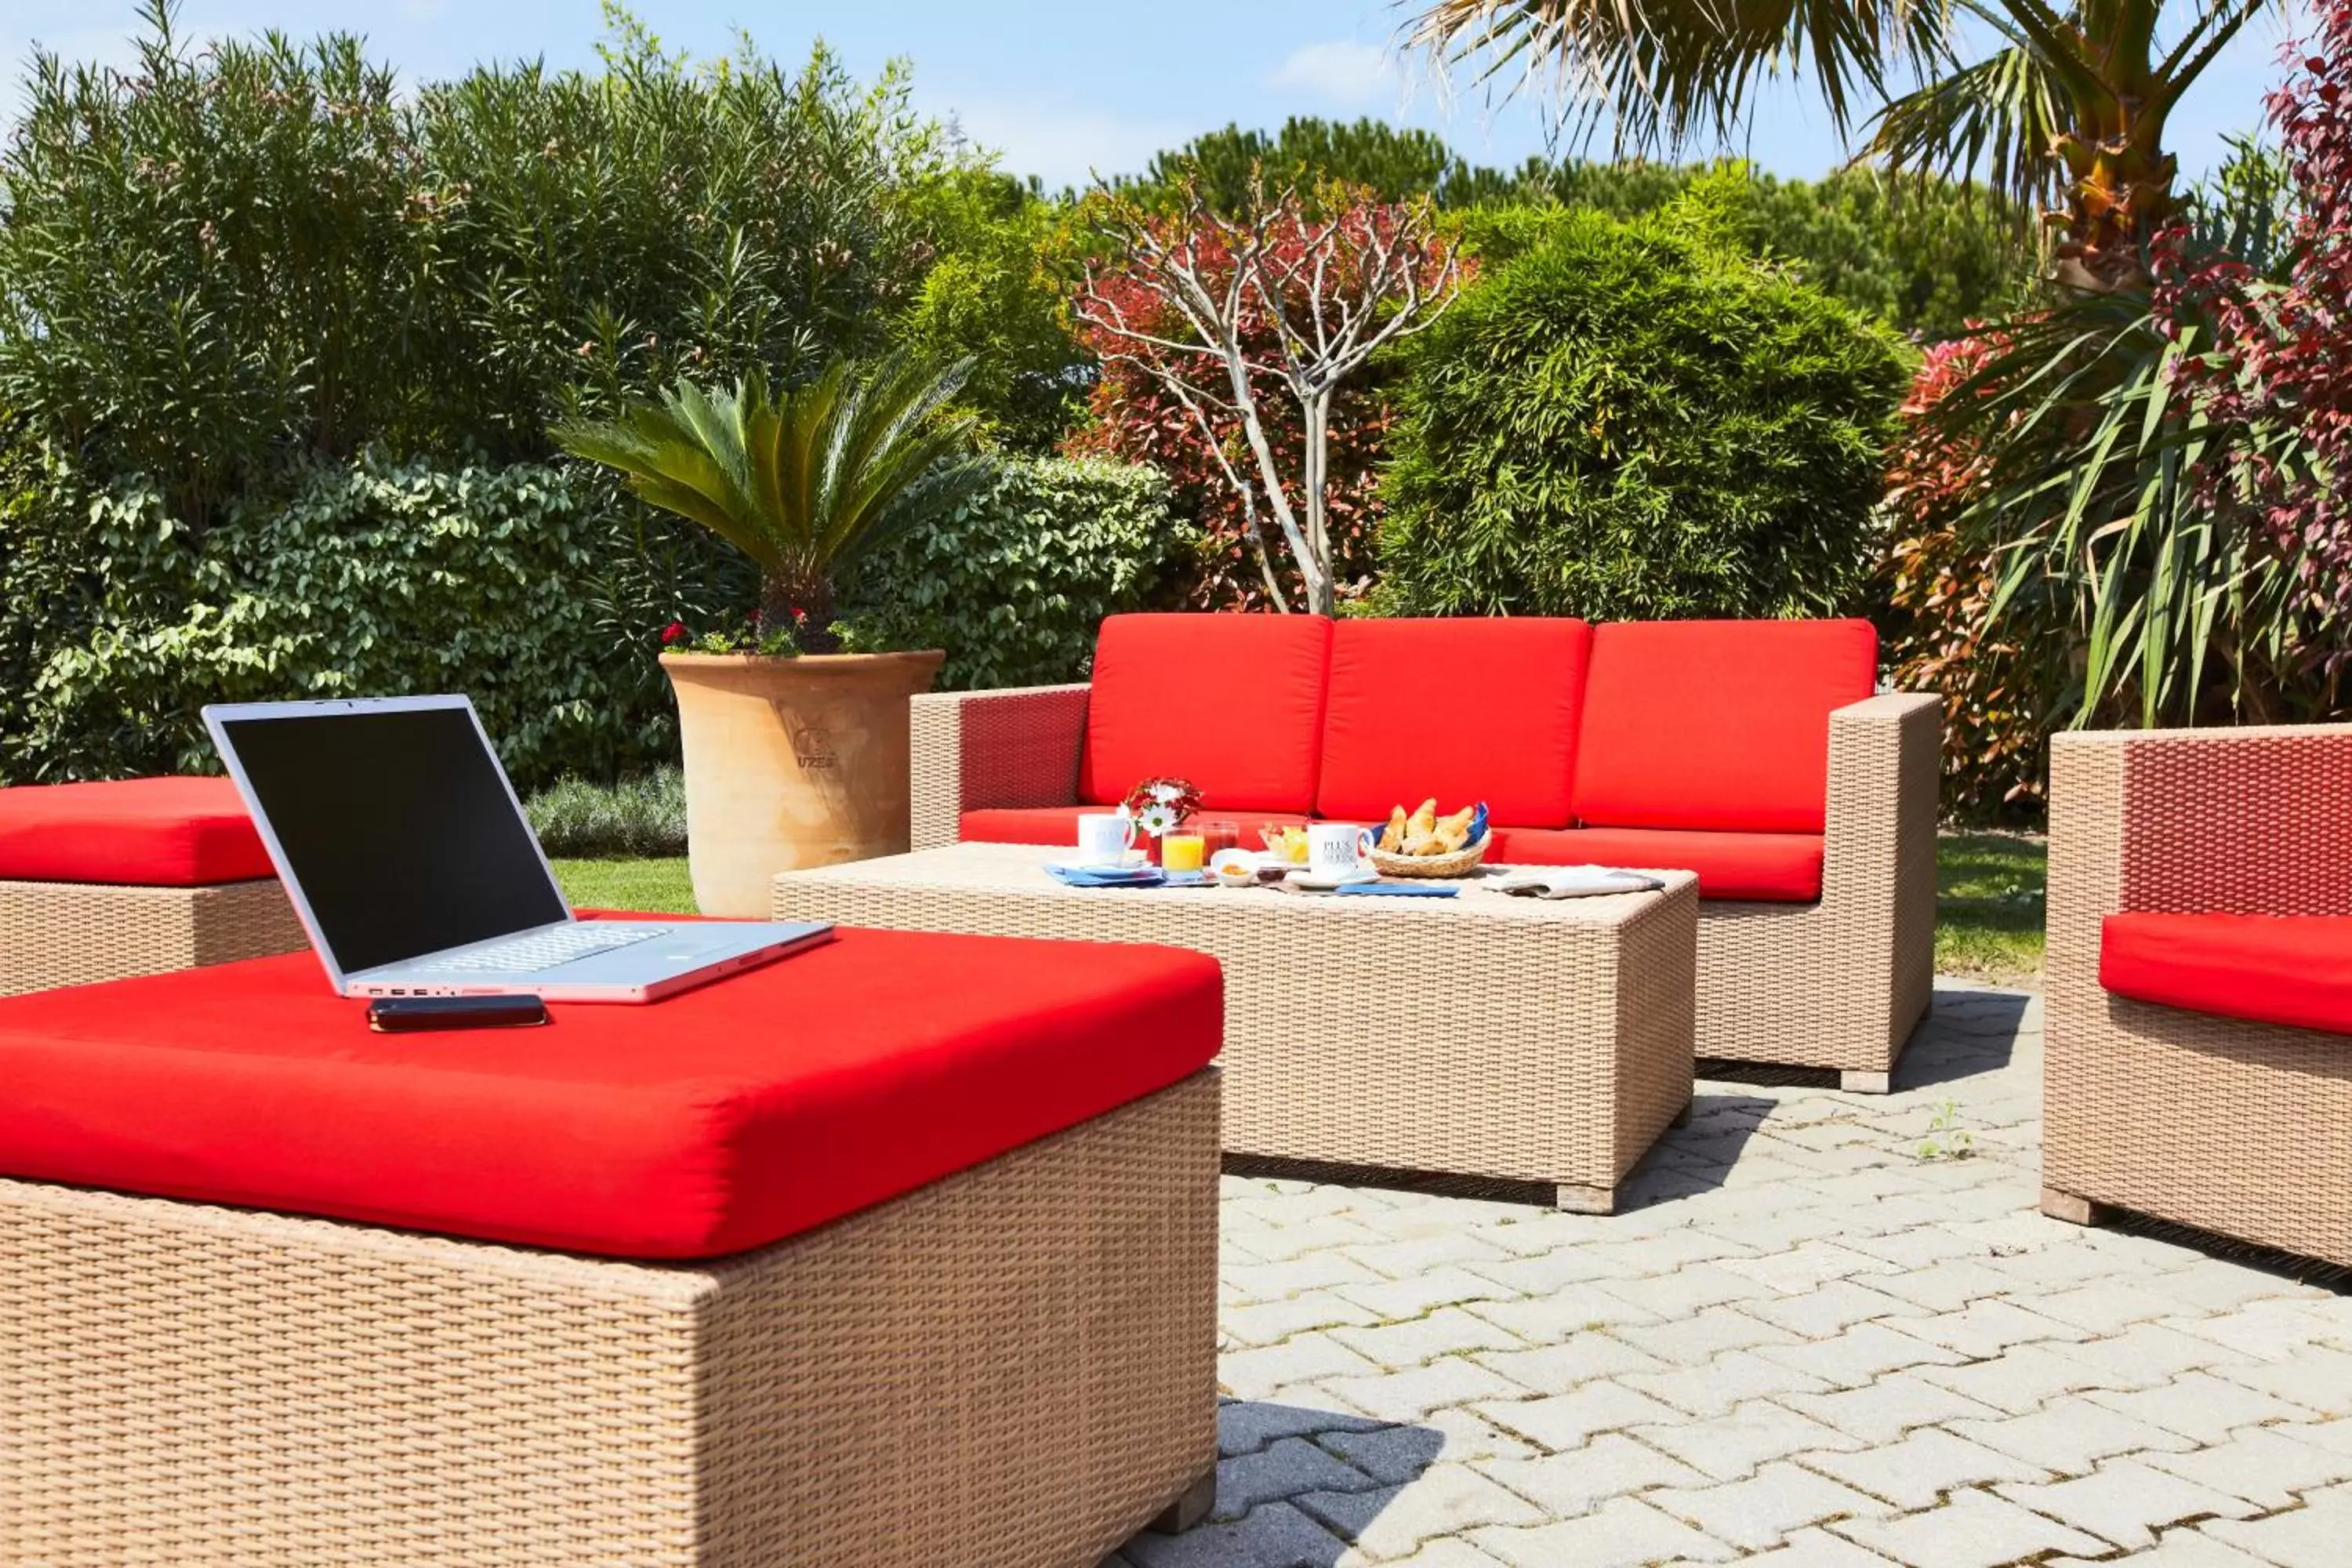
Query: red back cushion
{"x": 148, "y": 833}
{"x": 1464, "y": 709}
{"x": 1234, "y": 703}
{"x": 1720, "y": 725}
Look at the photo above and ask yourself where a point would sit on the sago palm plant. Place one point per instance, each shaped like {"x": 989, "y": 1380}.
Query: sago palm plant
{"x": 2064, "y": 104}
{"x": 802, "y": 480}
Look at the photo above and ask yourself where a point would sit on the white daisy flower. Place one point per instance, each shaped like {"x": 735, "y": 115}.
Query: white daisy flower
{"x": 1157, "y": 819}
{"x": 1167, "y": 794}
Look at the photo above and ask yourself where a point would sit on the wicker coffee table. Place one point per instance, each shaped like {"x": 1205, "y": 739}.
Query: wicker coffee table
{"x": 1524, "y": 1039}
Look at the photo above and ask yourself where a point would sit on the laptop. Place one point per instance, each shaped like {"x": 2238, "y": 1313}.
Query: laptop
{"x": 408, "y": 857}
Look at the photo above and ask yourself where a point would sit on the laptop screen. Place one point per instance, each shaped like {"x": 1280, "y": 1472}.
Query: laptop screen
{"x": 398, "y": 827}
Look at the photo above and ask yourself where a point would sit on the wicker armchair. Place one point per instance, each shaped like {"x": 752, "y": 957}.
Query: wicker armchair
{"x": 1839, "y": 983}
{"x": 2243, "y": 1128}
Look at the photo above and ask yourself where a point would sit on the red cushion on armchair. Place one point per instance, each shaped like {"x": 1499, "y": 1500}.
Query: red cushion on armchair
{"x": 1234, "y": 703}
{"x": 2294, "y": 970}
{"x": 144, "y": 833}
{"x": 1721, "y": 726}
{"x": 1474, "y": 708}
{"x": 724, "y": 1118}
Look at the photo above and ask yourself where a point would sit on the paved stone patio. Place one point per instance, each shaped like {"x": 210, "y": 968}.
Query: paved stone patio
{"x": 1800, "y": 1344}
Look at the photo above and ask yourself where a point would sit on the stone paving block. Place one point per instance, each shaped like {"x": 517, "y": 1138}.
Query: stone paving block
{"x": 1641, "y": 1256}
{"x": 1281, "y": 1470}
{"x": 1947, "y": 1285}
{"x": 1556, "y": 1369}
{"x": 1393, "y": 1454}
{"x": 2203, "y": 1406}
{"x": 2176, "y": 1549}
{"x": 1695, "y": 1342}
{"x": 1688, "y": 1290}
{"x": 2069, "y": 1435}
{"x": 1571, "y": 1311}
{"x": 1395, "y": 1299}
{"x": 1732, "y": 1448}
{"x": 2270, "y": 1467}
{"x": 1773, "y": 1228}
{"x": 1808, "y": 1265}
{"x": 1271, "y": 1322}
{"x": 1813, "y": 1549}
{"x": 1881, "y": 1411}
{"x": 1861, "y": 1355}
{"x": 1244, "y": 1425}
{"x": 1910, "y": 1242}
{"x": 1986, "y": 1329}
{"x": 2029, "y": 1377}
{"x": 1975, "y": 1530}
{"x": 1720, "y": 1386}
{"x": 2217, "y": 1287}
{"x": 1769, "y": 1506}
{"x": 1833, "y": 1309}
{"x": 1302, "y": 1358}
{"x": 1623, "y": 1533}
{"x": 1394, "y": 1521}
{"x": 2106, "y": 1306}
{"x": 1543, "y": 1273}
{"x": 1273, "y": 1282}
{"x": 1412, "y": 1393}
{"x": 1569, "y": 1484}
{"x": 1915, "y": 1471}
{"x": 1275, "y": 1536}
{"x": 2278, "y": 1331}
{"x": 1411, "y": 1259}
{"x": 1449, "y": 1330}
{"x": 1562, "y": 1421}
{"x": 1323, "y": 1233}
{"x": 2126, "y": 1502}
{"x": 2313, "y": 1536}
{"x": 1447, "y": 1551}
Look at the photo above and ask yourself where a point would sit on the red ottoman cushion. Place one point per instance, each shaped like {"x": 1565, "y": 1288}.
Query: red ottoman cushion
{"x": 1723, "y": 726}
{"x": 1234, "y": 703}
{"x": 1769, "y": 868}
{"x": 722, "y": 1118}
{"x": 2295, "y": 970}
{"x": 144, "y": 833}
{"x": 1466, "y": 710}
{"x": 1059, "y": 825}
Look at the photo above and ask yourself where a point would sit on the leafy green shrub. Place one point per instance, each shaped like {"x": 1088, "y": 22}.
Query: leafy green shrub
{"x": 1633, "y": 420}
{"x": 375, "y": 579}
{"x": 1015, "y": 584}
{"x": 641, "y": 815}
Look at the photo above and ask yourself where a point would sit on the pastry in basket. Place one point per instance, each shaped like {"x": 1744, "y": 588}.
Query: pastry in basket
{"x": 1423, "y": 818}
{"x": 1392, "y": 836}
{"x": 1453, "y": 831}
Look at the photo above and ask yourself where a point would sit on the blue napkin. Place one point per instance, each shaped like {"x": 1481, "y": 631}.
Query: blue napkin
{"x": 1400, "y": 889}
{"x": 1108, "y": 876}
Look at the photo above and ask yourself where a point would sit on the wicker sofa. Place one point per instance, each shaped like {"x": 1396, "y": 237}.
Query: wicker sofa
{"x": 1755, "y": 754}
{"x": 135, "y": 876}
{"x": 2198, "y": 983}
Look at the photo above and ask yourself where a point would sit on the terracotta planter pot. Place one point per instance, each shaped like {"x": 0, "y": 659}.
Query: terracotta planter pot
{"x": 791, "y": 762}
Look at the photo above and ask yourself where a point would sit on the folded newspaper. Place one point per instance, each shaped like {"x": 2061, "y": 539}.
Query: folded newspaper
{"x": 1575, "y": 882}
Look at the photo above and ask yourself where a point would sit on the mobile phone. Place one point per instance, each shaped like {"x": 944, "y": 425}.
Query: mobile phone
{"x": 401, "y": 1014}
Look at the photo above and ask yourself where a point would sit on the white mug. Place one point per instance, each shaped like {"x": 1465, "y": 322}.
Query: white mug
{"x": 1339, "y": 850}
{"x": 1105, "y": 840}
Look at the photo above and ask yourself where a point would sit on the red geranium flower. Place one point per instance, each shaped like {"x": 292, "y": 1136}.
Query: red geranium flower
{"x": 673, "y": 632}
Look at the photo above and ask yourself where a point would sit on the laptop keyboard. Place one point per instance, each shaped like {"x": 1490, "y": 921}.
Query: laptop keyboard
{"x": 528, "y": 954}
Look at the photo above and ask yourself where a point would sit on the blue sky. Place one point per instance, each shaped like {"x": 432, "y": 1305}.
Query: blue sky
{"x": 1058, "y": 87}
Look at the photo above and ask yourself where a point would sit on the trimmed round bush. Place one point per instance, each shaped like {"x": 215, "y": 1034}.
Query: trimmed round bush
{"x": 1635, "y": 421}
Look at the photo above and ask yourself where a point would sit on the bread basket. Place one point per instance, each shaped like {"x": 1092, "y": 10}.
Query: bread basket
{"x": 1461, "y": 863}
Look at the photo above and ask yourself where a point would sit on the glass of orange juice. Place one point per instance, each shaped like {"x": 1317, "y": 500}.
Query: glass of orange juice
{"x": 1182, "y": 851}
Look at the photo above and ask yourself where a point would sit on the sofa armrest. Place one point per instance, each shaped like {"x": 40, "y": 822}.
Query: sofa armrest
{"x": 2236, "y": 821}
{"x": 971, "y": 749}
{"x": 1878, "y": 856}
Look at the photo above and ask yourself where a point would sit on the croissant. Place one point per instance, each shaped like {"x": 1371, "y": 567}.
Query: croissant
{"x": 1424, "y": 844}
{"x": 1423, "y": 818}
{"x": 1392, "y": 836}
{"x": 1454, "y": 830}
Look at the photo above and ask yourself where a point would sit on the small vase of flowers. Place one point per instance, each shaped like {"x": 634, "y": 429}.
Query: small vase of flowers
{"x": 1158, "y": 807}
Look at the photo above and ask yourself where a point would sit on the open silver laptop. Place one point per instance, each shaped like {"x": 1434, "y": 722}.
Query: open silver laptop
{"x": 408, "y": 857}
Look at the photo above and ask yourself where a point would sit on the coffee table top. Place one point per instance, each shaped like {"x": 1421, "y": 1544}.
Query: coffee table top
{"x": 1019, "y": 870}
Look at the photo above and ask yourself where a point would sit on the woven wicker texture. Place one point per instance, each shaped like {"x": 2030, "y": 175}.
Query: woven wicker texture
{"x": 76, "y": 933}
{"x": 1839, "y": 983}
{"x": 976, "y": 750}
{"x": 1520, "y": 1038}
{"x": 1016, "y": 1365}
{"x": 2237, "y": 1128}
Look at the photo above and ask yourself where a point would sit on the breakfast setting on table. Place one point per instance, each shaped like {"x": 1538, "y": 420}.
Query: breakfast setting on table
{"x": 1160, "y": 838}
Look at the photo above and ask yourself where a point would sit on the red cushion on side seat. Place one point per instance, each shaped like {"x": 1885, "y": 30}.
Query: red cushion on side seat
{"x": 1773, "y": 868}
{"x": 1716, "y": 725}
{"x": 1234, "y": 703}
{"x": 724, "y": 1118}
{"x": 1466, "y": 710}
{"x": 1059, "y": 825}
{"x": 141, "y": 833}
{"x": 2294, "y": 970}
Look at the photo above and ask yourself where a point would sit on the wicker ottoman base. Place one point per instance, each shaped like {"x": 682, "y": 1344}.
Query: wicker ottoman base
{"x": 77, "y": 933}
{"x": 1016, "y": 1365}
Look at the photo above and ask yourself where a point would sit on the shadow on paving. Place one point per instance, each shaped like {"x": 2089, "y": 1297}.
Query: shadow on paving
{"x": 1296, "y": 1486}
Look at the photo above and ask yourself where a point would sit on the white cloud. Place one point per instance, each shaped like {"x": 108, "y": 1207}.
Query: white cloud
{"x": 1342, "y": 72}
{"x": 1064, "y": 145}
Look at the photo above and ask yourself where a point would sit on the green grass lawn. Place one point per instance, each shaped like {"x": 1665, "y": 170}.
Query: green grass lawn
{"x": 1987, "y": 900}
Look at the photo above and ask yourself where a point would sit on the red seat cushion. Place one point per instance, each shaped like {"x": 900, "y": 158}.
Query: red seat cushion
{"x": 722, "y": 1118}
{"x": 2295, "y": 970}
{"x": 1717, "y": 725}
{"x": 1059, "y": 824}
{"x": 1466, "y": 710}
{"x": 1234, "y": 703}
{"x": 145, "y": 833}
{"x": 1775, "y": 867}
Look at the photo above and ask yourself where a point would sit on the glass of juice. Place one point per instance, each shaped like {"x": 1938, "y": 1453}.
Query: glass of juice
{"x": 1183, "y": 850}
{"x": 1216, "y": 834}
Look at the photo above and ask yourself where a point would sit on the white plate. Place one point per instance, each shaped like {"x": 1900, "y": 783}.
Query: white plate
{"x": 1307, "y": 881}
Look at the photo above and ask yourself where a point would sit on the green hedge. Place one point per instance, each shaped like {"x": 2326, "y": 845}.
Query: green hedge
{"x": 1015, "y": 586}
{"x": 1635, "y": 420}
{"x": 535, "y": 589}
